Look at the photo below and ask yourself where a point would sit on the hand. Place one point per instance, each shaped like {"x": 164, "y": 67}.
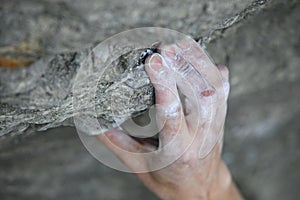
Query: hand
{"x": 191, "y": 95}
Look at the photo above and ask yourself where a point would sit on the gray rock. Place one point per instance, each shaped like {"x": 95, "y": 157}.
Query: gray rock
{"x": 262, "y": 130}
{"x": 44, "y": 93}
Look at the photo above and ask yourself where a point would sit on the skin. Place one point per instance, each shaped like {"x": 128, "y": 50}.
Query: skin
{"x": 195, "y": 121}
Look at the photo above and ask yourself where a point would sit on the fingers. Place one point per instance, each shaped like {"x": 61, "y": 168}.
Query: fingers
{"x": 169, "y": 110}
{"x": 225, "y": 76}
{"x": 224, "y": 71}
{"x": 194, "y": 87}
{"x": 200, "y": 60}
{"x": 197, "y": 56}
{"x": 211, "y": 132}
{"x": 203, "y": 87}
{"x": 117, "y": 139}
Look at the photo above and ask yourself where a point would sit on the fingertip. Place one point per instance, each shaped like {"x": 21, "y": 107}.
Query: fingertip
{"x": 119, "y": 137}
{"x": 225, "y": 76}
{"x": 155, "y": 63}
{"x": 224, "y": 71}
{"x": 155, "y": 67}
{"x": 107, "y": 135}
{"x": 184, "y": 45}
{"x": 115, "y": 138}
{"x": 169, "y": 51}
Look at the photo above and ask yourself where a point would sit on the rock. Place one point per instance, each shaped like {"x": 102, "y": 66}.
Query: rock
{"x": 262, "y": 133}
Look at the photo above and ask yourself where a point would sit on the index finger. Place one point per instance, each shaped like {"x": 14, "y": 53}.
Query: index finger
{"x": 201, "y": 61}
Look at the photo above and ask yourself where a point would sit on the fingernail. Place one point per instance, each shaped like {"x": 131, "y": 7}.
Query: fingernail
{"x": 184, "y": 44}
{"x": 156, "y": 63}
{"x": 170, "y": 51}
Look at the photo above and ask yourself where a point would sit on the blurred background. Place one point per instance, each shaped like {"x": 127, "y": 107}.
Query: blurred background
{"x": 262, "y": 141}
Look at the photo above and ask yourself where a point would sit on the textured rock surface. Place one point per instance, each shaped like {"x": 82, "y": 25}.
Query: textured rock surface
{"x": 262, "y": 133}
{"x": 43, "y": 94}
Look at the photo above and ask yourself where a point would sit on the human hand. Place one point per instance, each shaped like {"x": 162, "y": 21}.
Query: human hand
{"x": 191, "y": 94}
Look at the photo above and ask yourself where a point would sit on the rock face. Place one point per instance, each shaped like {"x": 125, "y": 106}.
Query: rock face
{"x": 48, "y": 96}
{"x": 44, "y": 92}
{"x": 262, "y": 133}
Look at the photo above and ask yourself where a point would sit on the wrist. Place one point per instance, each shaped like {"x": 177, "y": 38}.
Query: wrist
{"x": 223, "y": 187}
{"x": 220, "y": 187}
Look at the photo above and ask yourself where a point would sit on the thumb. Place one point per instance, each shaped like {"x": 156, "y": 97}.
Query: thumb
{"x": 124, "y": 147}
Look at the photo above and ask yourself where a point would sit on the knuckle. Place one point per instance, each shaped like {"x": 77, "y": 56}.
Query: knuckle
{"x": 182, "y": 66}
{"x": 185, "y": 69}
{"x": 172, "y": 117}
{"x": 187, "y": 160}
